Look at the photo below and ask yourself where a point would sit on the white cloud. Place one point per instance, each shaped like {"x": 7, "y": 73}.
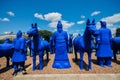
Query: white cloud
{"x": 10, "y": 13}
{"x": 65, "y": 24}
{"x": 4, "y": 19}
{"x": 82, "y": 16}
{"x": 54, "y": 16}
{"x": 39, "y": 16}
{"x": 98, "y": 25}
{"x": 81, "y": 22}
{"x": 53, "y": 24}
{"x": 111, "y": 21}
{"x": 95, "y": 13}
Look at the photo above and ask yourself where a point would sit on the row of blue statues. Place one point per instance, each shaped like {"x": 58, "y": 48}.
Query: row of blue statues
{"x": 60, "y": 45}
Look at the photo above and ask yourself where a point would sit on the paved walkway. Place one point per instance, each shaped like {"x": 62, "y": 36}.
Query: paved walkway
{"x": 68, "y": 77}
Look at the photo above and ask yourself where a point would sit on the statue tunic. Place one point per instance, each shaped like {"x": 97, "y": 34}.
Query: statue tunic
{"x": 20, "y": 50}
{"x": 61, "y": 44}
{"x": 104, "y": 46}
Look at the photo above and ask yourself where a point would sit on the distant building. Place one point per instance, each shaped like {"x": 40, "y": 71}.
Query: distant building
{"x": 8, "y": 33}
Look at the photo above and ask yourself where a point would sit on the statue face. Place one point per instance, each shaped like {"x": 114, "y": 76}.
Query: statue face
{"x": 33, "y": 31}
{"x": 19, "y": 34}
{"x": 93, "y": 30}
{"x": 91, "y": 27}
{"x": 103, "y": 24}
{"x": 59, "y": 26}
{"x": 59, "y": 29}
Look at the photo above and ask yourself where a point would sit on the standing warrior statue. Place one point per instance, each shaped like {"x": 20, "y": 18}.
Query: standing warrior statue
{"x": 104, "y": 52}
{"x": 60, "y": 39}
{"x": 19, "y": 55}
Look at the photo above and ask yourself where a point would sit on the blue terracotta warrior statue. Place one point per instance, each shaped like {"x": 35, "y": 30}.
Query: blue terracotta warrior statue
{"x": 116, "y": 46}
{"x": 51, "y": 45}
{"x": 6, "y": 50}
{"x": 60, "y": 38}
{"x": 19, "y": 55}
{"x": 70, "y": 43}
{"x": 38, "y": 46}
{"x": 76, "y": 46}
{"x": 84, "y": 43}
{"x": 104, "y": 52}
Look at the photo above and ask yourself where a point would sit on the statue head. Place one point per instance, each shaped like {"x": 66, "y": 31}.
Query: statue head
{"x": 19, "y": 34}
{"x": 103, "y": 24}
{"x": 33, "y": 31}
{"x": 59, "y": 26}
{"x": 7, "y": 40}
{"x": 79, "y": 34}
{"x": 91, "y": 28}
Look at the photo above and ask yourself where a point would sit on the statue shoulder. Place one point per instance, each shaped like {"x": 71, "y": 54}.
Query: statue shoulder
{"x": 22, "y": 39}
{"x": 14, "y": 39}
{"x": 64, "y": 32}
{"x": 55, "y": 33}
{"x": 109, "y": 29}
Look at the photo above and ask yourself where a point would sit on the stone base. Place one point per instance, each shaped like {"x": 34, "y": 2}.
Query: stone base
{"x": 68, "y": 77}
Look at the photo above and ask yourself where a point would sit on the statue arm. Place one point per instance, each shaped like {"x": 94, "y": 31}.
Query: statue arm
{"x": 14, "y": 41}
{"x": 66, "y": 39}
{"x": 54, "y": 40}
{"x": 110, "y": 34}
{"x": 97, "y": 40}
{"x": 22, "y": 47}
{"x": 28, "y": 41}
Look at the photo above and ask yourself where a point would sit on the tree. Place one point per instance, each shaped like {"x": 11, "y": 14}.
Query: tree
{"x": 45, "y": 34}
{"x": 2, "y": 41}
{"x": 118, "y": 32}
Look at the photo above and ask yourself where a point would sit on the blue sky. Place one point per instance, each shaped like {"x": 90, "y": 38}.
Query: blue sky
{"x": 20, "y": 14}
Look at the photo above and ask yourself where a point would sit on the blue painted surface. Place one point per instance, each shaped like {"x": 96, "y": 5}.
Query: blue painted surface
{"x": 20, "y": 48}
{"x": 104, "y": 51}
{"x": 38, "y": 46}
{"x": 116, "y": 46}
{"x": 60, "y": 38}
{"x": 84, "y": 43}
{"x": 7, "y": 50}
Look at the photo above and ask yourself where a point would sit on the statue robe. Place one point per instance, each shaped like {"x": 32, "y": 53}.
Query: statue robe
{"x": 61, "y": 46}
